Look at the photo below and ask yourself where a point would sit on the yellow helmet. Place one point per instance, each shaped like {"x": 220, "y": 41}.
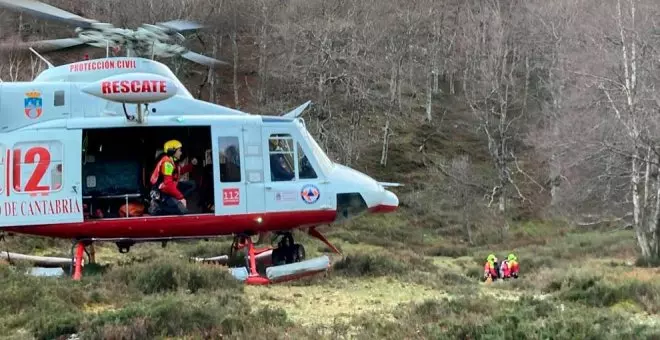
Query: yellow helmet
{"x": 172, "y": 145}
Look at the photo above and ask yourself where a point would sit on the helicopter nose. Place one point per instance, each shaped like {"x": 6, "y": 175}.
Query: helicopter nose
{"x": 389, "y": 203}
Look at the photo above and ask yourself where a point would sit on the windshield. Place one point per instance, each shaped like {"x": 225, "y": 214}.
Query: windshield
{"x": 324, "y": 161}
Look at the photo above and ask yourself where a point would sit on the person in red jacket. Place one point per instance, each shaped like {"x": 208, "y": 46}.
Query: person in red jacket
{"x": 490, "y": 268}
{"x": 168, "y": 193}
{"x": 512, "y": 260}
{"x": 504, "y": 270}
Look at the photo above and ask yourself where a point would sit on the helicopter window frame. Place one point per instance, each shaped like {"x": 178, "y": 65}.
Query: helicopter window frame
{"x": 225, "y": 145}
{"x": 326, "y": 165}
{"x": 59, "y": 98}
{"x": 54, "y": 171}
{"x": 310, "y": 172}
{"x": 3, "y": 170}
{"x": 283, "y": 144}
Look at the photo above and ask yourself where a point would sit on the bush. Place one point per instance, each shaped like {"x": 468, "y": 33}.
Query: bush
{"x": 167, "y": 275}
{"x": 398, "y": 265}
{"x": 593, "y": 291}
{"x": 173, "y": 315}
{"x": 475, "y": 318}
{"x": 648, "y": 263}
{"x": 449, "y": 251}
{"x": 48, "y": 307}
{"x": 49, "y": 326}
{"x": 368, "y": 265}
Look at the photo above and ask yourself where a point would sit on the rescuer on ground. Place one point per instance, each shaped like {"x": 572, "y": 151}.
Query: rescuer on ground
{"x": 168, "y": 193}
{"x": 491, "y": 268}
{"x": 512, "y": 261}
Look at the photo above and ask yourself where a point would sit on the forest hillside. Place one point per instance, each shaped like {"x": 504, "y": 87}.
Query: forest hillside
{"x": 515, "y": 126}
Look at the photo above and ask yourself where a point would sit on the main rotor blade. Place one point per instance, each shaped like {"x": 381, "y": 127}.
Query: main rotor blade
{"x": 43, "y": 45}
{"x": 202, "y": 59}
{"x": 47, "y": 11}
{"x": 180, "y": 25}
{"x": 55, "y": 44}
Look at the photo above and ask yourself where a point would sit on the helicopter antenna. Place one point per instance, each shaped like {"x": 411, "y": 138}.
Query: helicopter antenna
{"x": 42, "y": 58}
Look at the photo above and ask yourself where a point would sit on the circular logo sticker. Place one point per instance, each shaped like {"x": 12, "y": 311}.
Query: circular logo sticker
{"x": 310, "y": 193}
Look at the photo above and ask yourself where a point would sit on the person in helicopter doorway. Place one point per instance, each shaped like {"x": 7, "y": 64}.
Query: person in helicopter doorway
{"x": 168, "y": 194}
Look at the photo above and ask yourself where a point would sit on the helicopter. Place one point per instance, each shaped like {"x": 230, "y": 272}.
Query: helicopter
{"x": 79, "y": 144}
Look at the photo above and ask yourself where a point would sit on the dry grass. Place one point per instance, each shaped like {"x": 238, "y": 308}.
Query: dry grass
{"x": 378, "y": 290}
{"x": 341, "y": 299}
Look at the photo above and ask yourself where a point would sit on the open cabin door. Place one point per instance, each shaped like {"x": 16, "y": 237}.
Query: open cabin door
{"x": 41, "y": 177}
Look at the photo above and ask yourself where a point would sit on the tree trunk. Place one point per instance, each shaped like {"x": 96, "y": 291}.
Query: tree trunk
{"x": 234, "y": 45}
{"x": 261, "y": 91}
{"x": 386, "y": 137}
{"x": 429, "y": 95}
{"x": 640, "y": 229}
{"x": 555, "y": 170}
{"x": 468, "y": 230}
{"x": 217, "y": 44}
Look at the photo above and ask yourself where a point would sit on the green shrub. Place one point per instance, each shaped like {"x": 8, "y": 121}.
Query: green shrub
{"x": 473, "y": 317}
{"x": 368, "y": 265}
{"x": 167, "y": 275}
{"x": 449, "y": 251}
{"x": 50, "y": 326}
{"x": 648, "y": 263}
{"x": 398, "y": 265}
{"x": 172, "y": 315}
{"x": 594, "y": 292}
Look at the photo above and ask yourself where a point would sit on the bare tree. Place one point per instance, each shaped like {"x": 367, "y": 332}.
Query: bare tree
{"x": 492, "y": 89}
{"x": 624, "y": 69}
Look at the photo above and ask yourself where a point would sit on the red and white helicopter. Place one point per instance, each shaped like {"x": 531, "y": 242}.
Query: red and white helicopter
{"x": 76, "y": 161}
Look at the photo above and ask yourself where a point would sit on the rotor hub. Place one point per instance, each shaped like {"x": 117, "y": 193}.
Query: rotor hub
{"x": 161, "y": 39}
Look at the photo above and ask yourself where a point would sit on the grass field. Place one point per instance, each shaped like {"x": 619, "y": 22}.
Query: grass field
{"x": 390, "y": 285}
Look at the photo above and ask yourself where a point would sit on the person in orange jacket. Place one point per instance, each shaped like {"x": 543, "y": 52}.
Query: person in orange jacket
{"x": 490, "y": 268}
{"x": 169, "y": 191}
{"x": 512, "y": 262}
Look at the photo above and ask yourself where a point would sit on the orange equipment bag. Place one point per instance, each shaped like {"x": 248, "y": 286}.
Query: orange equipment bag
{"x": 134, "y": 210}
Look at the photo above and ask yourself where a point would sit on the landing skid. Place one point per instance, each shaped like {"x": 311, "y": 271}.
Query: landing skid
{"x": 287, "y": 261}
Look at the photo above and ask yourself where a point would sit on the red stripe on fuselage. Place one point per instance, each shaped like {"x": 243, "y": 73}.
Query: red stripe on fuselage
{"x": 179, "y": 226}
{"x": 383, "y": 208}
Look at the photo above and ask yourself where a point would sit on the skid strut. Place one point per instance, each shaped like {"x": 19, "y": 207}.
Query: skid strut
{"x": 244, "y": 241}
{"x": 287, "y": 260}
{"x": 78, "y": 251}
{"x": 77, "y": 260}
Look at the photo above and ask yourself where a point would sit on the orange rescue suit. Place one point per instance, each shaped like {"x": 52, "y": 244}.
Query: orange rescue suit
{"x": 170, "y": 172}
{"x": 513, "y": 268}
{"x": 490, "y": 268}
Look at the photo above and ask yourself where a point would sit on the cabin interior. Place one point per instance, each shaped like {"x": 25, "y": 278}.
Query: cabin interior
{"x": 117, "y": 164}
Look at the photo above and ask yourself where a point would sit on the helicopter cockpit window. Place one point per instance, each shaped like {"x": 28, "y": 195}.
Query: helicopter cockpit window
{"x": 59, "y": 98}
{"x": 305, "y": 169}
{"x": 230, "y": 160}
{"x": 281, "y": 152}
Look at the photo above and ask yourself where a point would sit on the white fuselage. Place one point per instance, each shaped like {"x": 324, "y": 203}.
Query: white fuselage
{"x": 64, "y": 112}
